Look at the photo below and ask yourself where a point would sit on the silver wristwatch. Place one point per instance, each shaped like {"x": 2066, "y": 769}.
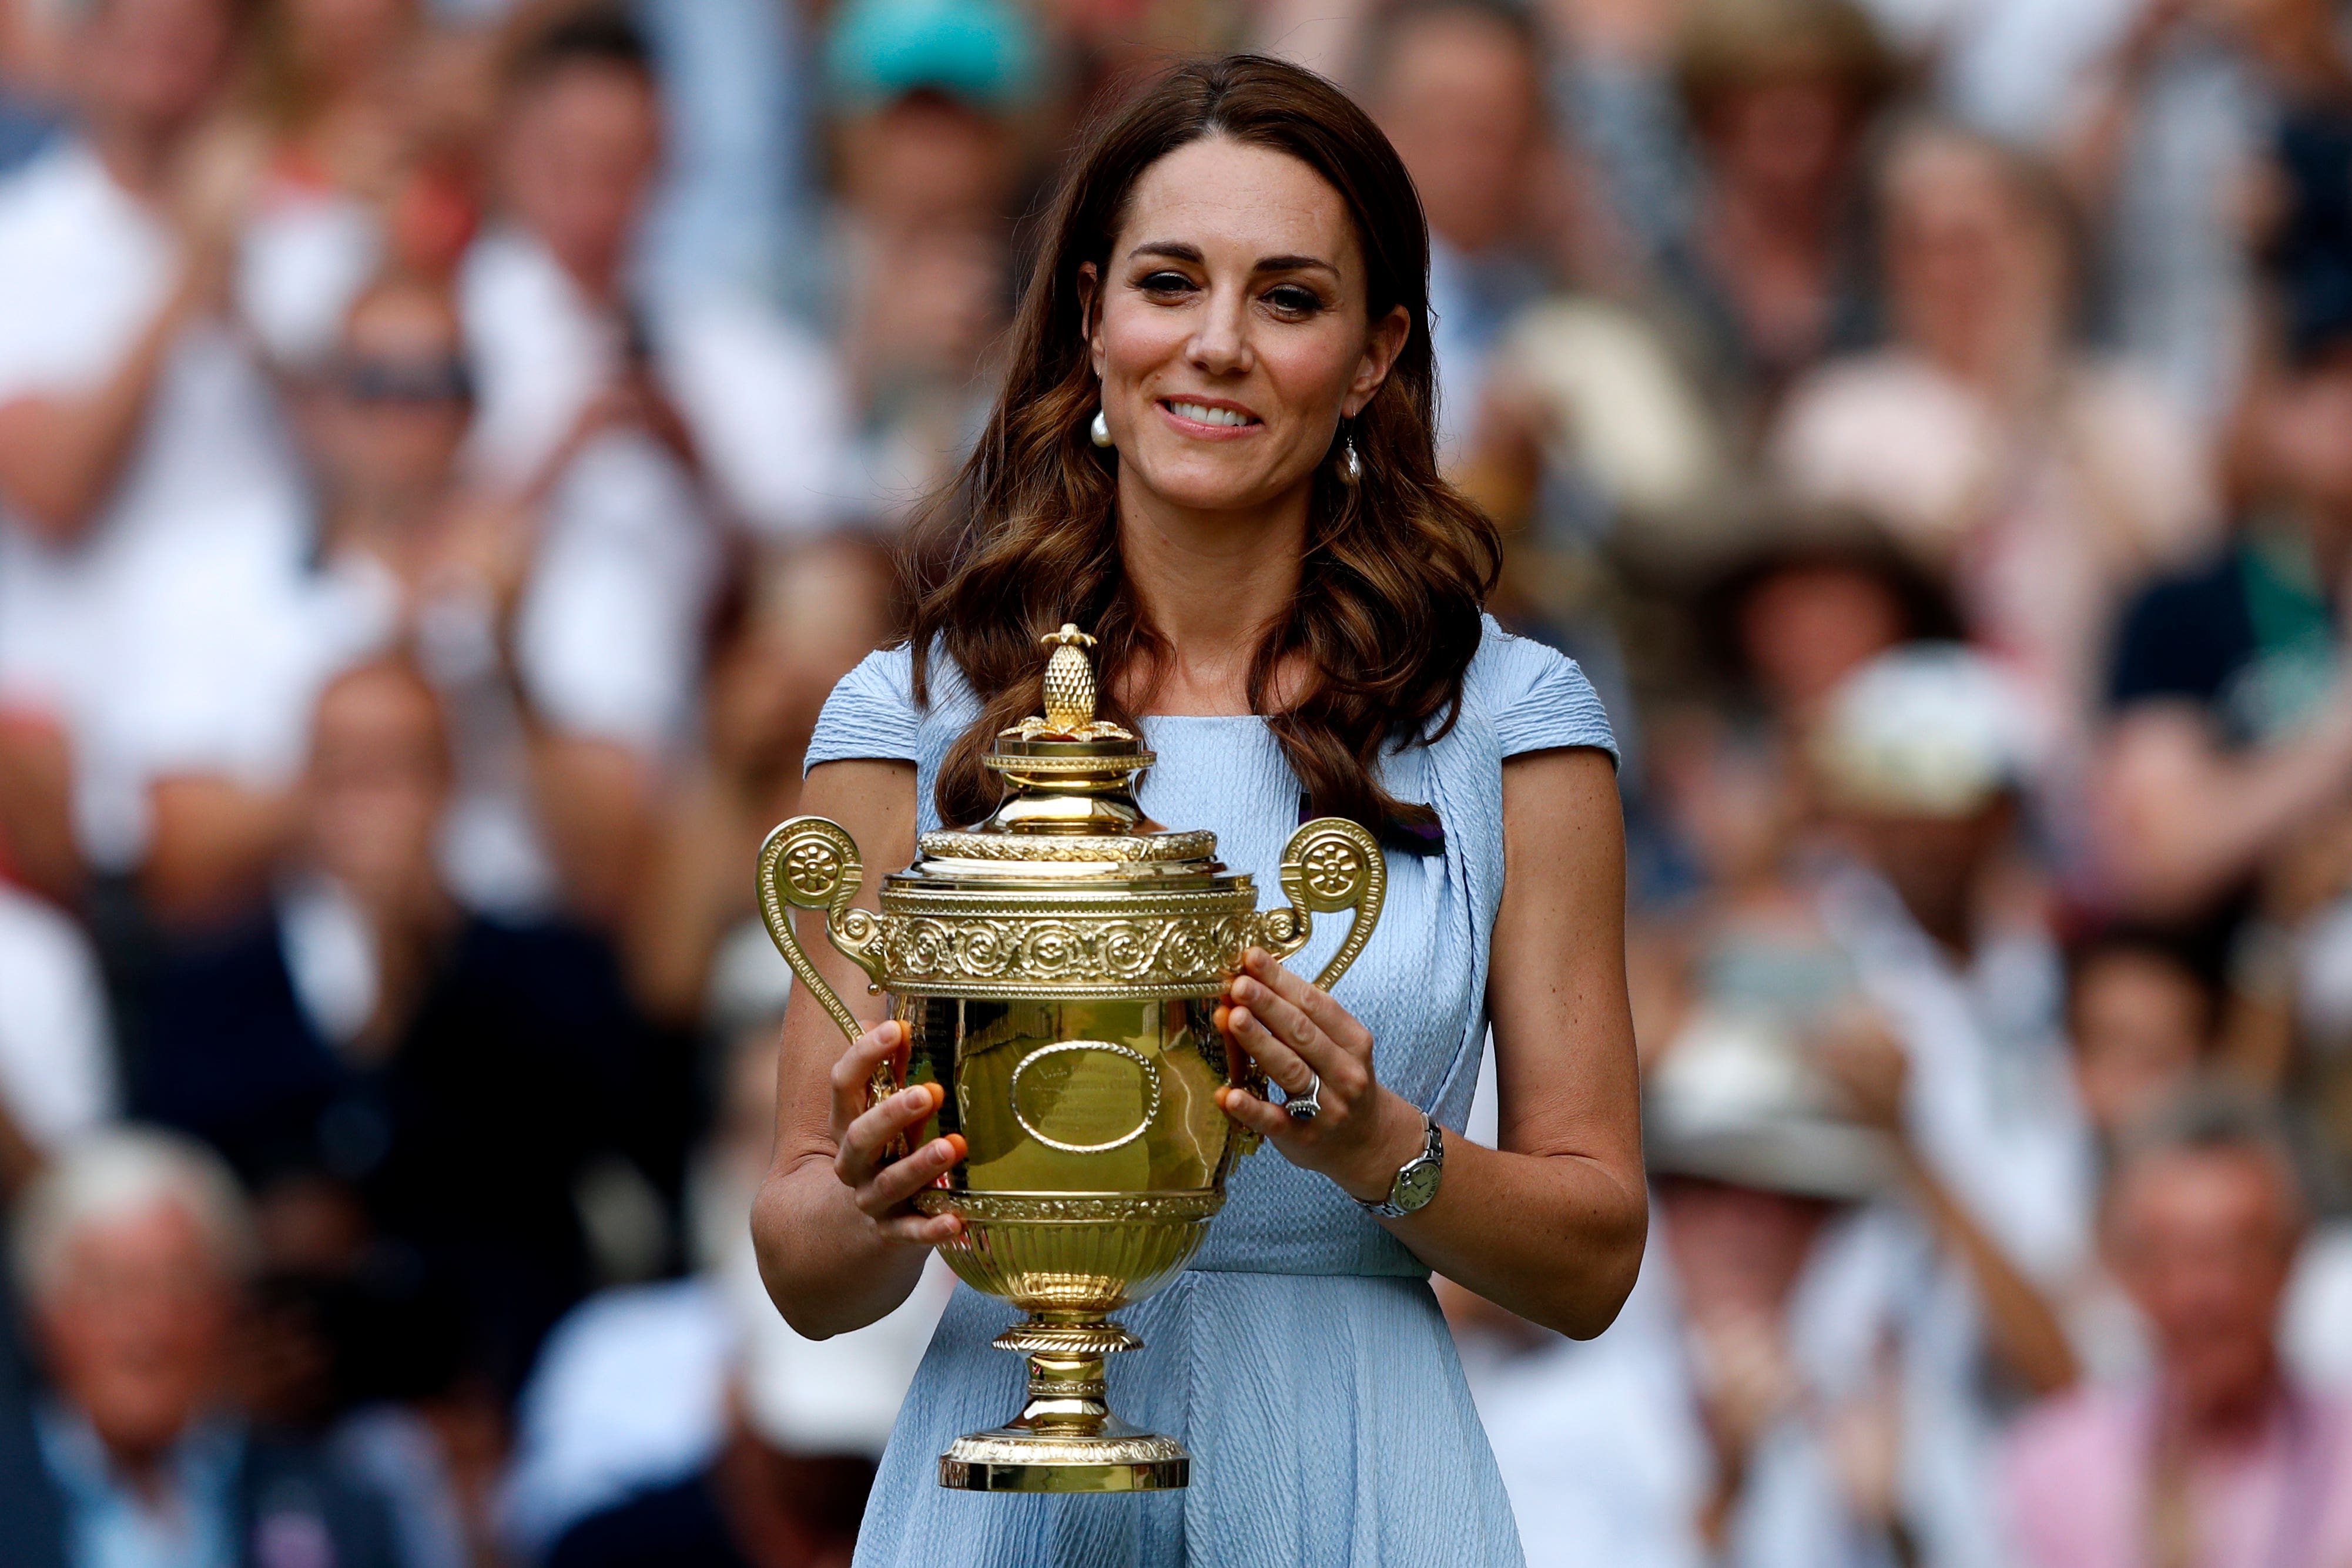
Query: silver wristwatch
{"x": 1416, "y": 1179}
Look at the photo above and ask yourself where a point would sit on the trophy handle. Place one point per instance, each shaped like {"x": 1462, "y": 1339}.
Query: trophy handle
{"x": 1330, "y": 864}
{"x": 812, "y": 863}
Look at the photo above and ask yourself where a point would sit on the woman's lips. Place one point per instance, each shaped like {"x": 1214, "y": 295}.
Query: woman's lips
{"x": 1208, "y": 421}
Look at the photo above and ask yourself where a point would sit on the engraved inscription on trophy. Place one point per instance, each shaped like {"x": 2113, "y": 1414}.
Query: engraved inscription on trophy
{"x": 1086, "y": 1097}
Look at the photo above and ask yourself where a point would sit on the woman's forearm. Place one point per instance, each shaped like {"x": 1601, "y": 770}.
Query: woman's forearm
{"x": 1556, "y": 1238}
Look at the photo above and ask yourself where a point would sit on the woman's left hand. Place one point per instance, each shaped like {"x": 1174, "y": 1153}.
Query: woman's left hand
{"x": 1364, "y": 1132}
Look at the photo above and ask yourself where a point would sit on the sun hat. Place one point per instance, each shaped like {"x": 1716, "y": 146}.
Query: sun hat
{"x": 1925, "y": 730}
{"x": 1736, "y": 1098}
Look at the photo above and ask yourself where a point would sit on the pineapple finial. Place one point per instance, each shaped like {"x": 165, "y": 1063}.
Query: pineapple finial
{"x": 1069, "y": 680}
{"x": 1070, "y": 694}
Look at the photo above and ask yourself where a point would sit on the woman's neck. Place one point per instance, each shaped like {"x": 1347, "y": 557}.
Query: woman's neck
{"x": 1210, "y": 583}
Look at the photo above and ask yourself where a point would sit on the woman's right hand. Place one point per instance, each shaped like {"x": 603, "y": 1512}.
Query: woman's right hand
{"x": 862, "y": 1136}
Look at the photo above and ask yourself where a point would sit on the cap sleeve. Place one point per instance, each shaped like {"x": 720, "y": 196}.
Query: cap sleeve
{"x": 871, "y": 714}
{"x": 1539, "y": 699}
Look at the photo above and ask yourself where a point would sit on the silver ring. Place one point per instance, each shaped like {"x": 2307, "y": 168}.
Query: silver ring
{"x": 1305, "y": 1107}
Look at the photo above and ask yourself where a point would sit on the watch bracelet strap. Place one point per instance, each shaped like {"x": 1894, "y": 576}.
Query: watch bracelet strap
{"x": 1432, "y": 1150}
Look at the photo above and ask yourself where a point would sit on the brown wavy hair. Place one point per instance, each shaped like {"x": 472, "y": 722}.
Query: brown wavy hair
{"x": 1398, "y": 565}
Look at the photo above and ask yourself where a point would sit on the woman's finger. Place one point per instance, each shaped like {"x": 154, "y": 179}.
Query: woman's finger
{"x": 1273, "y": 1055}
{"x": 1287, "y": 1020}
{"x": 853, "y": 1070}
{"x": 922, "y": 1229}
{"x": 894, "y": 1183}
{"x": 864, "y": 1139}
{"x": 1290, "y": 1025}
{"x": 1309, "y": 998}
{"x": 1260, "y": 1116}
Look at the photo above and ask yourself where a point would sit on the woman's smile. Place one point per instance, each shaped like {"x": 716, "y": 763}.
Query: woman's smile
{"x": 1210, "y": 419}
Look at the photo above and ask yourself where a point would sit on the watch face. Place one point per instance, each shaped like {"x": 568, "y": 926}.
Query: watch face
{"x": 1416, "y": 1186}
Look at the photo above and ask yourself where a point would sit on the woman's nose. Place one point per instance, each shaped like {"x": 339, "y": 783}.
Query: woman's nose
{"x": 1221, "y": 344}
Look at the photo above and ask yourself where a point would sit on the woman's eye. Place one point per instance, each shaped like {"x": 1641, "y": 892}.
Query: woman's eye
{"x": 1291, "y": 300}
{"x": 1165, "y": 283}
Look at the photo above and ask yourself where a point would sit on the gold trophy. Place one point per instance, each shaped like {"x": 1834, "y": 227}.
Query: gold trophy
{"x": 1057, "y": 970}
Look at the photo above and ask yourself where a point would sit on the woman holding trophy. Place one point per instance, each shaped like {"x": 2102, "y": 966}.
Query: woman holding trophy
{"x": 1214, "y": 452}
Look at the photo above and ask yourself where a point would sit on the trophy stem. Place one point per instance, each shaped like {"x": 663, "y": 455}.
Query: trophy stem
{"x": 1065, "y": 1439}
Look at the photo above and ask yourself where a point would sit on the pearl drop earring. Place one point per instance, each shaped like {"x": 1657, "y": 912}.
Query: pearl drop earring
{"x": 1351, "y": 470}
{"x": 1100, "y": 431}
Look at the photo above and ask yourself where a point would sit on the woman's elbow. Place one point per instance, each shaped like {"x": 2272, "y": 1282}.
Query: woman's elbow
{"x": 1596, "y": 1287}
{"x": 803, "y": 1308}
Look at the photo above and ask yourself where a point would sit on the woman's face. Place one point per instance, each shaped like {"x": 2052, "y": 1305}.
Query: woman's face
{"x": 1968, "y": 263}
{"x": 1230, "y": 327}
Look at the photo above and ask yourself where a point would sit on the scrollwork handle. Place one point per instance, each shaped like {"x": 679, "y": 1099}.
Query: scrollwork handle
{"x": 812, "y": 863}
{"x": 1330, "y": 864}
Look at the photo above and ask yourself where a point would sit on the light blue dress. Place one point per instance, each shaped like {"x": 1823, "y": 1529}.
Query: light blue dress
{"x": 1301, "y": 1358}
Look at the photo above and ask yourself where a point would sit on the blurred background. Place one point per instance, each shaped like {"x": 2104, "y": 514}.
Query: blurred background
{"x": 450, "y": 448}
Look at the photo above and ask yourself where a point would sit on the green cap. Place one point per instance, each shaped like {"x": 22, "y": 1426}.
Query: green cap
{"x": 984, "y": 52}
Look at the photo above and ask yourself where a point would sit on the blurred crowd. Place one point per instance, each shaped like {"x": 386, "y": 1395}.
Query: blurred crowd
{"x": 450, "y": 448}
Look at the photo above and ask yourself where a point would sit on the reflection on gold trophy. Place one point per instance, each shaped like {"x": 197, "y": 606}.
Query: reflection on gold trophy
{"x": 1058, "y": 969}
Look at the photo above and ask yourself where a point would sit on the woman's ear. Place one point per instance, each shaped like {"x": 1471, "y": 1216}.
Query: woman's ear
{"x": 1387, "y": 341}
{"x": 1089, "y": 323}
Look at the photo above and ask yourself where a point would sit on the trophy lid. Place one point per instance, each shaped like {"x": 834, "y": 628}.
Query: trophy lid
{"x": 1069, "y": 810}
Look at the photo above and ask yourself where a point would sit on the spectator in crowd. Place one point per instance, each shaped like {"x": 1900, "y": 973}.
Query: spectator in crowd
{"x": 2144, "y": 1018}
{"x": 1563, "y": 413}
{"x": 2220, "y": 1456}
{"x": 1458, "y": 87}
{"x": 574, "y": 350}
{"x": 363, "y": 174}
{"x": 917, "y": 242}
{"x": 2223, "y": 804}
{"x": 685, "y": 1417}
{"x": 627, "y": 420}
{"x": 1812, "y": 596}
{"x": 147, "y": 494}
{"x": 2172, "y": 146}
{"x": 1923, "y": 761}
{"x": 808, "y": 616}
{"x": 467, "y": 1075}
{"x": 2229, "y": 735}
{"x": 2046, "y": 485}
{"x": 130, "y": 1254}
{"x": 417, "y": 548}
{"x": 1763, "y": 261}
{"x": 1784, "y": 1388}
{"x": 568, "y": 413}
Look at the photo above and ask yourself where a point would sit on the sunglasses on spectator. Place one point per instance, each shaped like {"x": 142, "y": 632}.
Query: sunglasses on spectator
{"x": 405, "y": 380}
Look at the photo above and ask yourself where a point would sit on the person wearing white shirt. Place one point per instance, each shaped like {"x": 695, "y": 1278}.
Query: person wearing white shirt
{"x": 147, "y": 492}
{"x": 572, "y": 343}
{"x": 56, "y": 1062}
{"x": 1923, "y": 756}
{"x": 1781, "y": 1392}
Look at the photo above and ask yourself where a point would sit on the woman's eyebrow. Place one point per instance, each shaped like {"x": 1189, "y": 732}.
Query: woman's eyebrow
{"x": 1294, "y": 264}
{"x": 1177, "y": 250}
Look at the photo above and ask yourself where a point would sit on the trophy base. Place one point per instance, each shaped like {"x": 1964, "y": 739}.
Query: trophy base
{"x": 1065, "y": 1439}
{"x": 1118, "y": 1458}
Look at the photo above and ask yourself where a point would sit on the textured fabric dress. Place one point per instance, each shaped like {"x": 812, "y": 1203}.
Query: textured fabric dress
{"x": 1301, "y": 1358}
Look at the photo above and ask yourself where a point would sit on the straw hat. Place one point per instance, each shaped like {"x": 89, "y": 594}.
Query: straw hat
{"x": 1736, "y": 1100}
